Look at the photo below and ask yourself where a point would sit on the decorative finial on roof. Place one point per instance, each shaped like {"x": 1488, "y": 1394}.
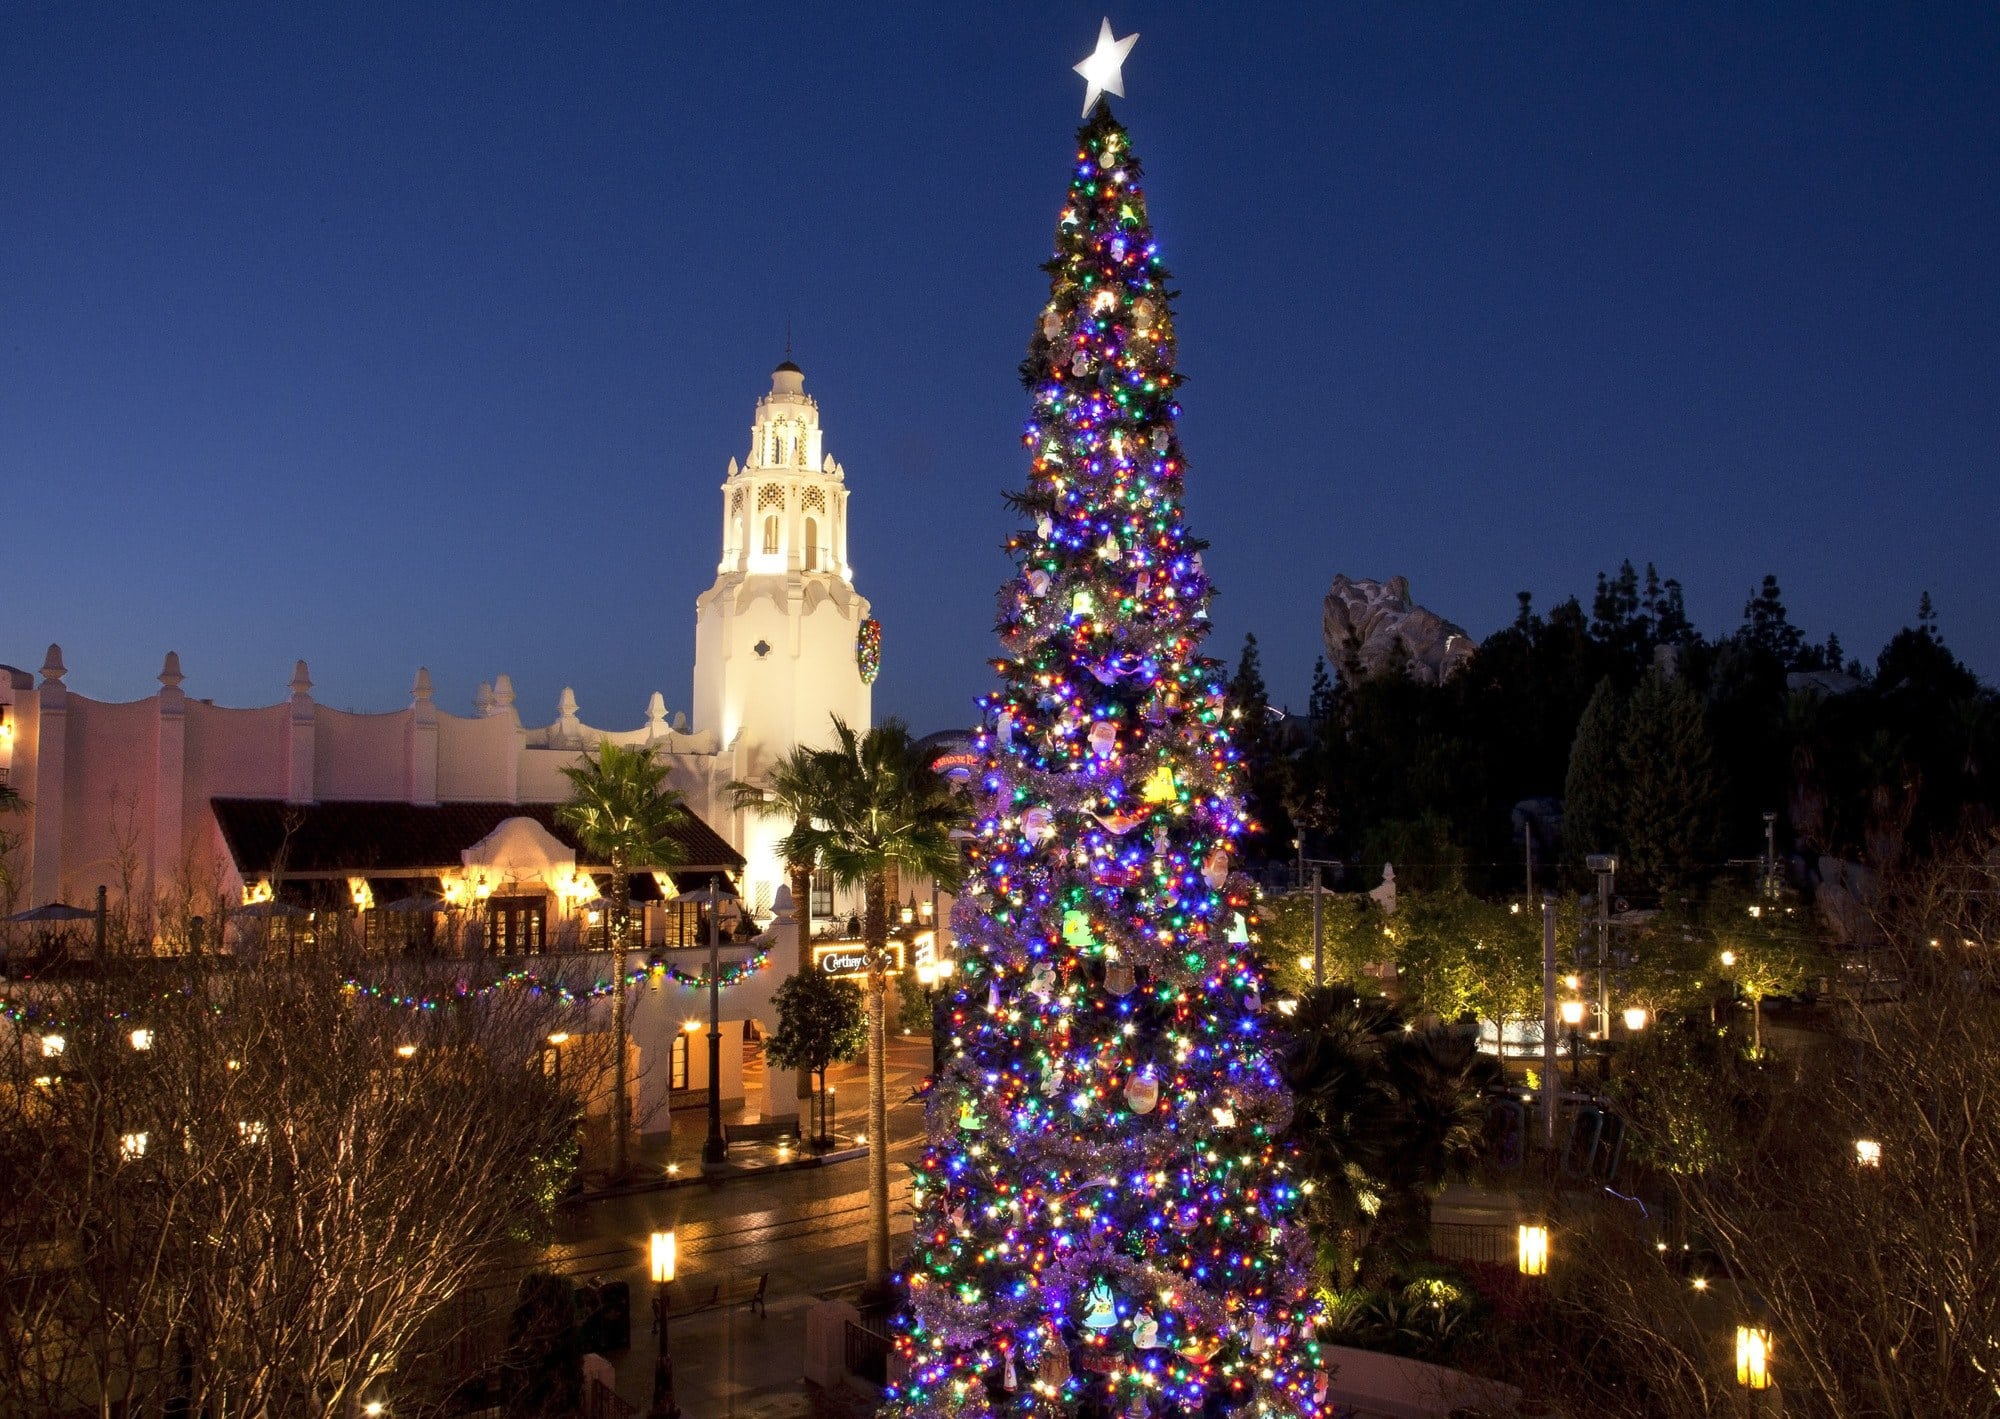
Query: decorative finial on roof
{"x": 302, "y": 681}
{"x": 170, "y": 671}
{"x": 656, "y": 713}
{"x": 482, "y": 698}
{"x": 53, "y": 669}
{"x": 503, "y": 692}
{"x": 420, "y": 688}
{"x": 566, "y": 703}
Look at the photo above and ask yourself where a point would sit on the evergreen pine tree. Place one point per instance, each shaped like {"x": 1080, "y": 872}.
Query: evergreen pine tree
{"x": 1766, "y": 626}
{"x": 1249, "y": 702}
{"x": 1105, "y": 1219}
{"x": 1670, "y": 797}
{"x": 1264, "y": 777}
{"x": 1594, "y": 790}
{"x": 1319, "y": 703}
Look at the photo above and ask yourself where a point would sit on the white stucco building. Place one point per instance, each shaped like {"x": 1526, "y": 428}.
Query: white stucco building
{"x": 164, "y": 798}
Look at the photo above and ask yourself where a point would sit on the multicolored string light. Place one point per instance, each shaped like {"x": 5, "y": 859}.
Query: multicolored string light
{"x": 536, "y": 983}
{"x": 1105, "y": 1217}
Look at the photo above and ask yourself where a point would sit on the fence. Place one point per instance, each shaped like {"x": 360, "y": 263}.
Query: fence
{"x": 1472, "y": 1241}
{"x": 865, "y": 1352}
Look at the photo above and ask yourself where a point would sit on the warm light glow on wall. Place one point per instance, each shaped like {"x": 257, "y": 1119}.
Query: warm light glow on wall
{"x": 255, "y": 892}
{"x": 1868, "y": 1153}
{"x": 361, "y": 894}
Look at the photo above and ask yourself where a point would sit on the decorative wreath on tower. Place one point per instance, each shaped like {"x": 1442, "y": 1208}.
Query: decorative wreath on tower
{"x": 868, "y": 650}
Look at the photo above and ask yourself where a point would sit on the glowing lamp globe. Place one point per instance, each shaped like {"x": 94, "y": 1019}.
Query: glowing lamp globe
{"x": 1753, "y": 1357}
{"x": 1532, "y": 1249}
{"x": 663, "y": 1257}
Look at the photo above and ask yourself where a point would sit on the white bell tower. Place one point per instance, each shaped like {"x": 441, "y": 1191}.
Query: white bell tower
{"x": 776, "y": 637}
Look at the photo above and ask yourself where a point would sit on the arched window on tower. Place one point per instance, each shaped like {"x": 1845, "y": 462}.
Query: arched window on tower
{"x": 812, "y": 545}
{"x": 771, "y": 535}
{"x": 772, "y": 457}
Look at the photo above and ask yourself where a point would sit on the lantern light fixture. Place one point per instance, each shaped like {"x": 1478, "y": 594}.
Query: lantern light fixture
{"x": 1753, "y": 1357}
{"x": 1532, "y": 1249}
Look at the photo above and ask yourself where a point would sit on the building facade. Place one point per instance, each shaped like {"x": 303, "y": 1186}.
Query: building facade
{"x": 170, "y": 801}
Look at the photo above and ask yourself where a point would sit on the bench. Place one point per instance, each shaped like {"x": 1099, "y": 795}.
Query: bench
{"x": 732, "y": 1291}
{"x": 768, "y": 1131}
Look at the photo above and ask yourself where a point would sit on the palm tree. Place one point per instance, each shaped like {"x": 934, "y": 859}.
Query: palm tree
{"x": 624, "y": 814}
{"x": 877, "y": 808}
{"x": 796, "y": 790}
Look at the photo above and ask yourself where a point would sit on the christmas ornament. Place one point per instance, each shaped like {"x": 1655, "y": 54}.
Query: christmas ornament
{"x": 1142, "y": 1091}
{"x": 1044, "y": 528}
{"x": 1109, "y": 550}
{"x": 1052, "y": 1079}
{"x": 1160, "y": 437}
{"x": 1215, "y": 869}
{"x": 1038, "y": 583}
{"x": 1260, "y": 1335}
{"x": 969, "y": 1118}
{"x": 1053, "y": 1368}
{"x": 1119, "y": 978}
{"x": 1103, "y": 738}
{"x": 1160, "y": 786}
{"x": 1076, "y": 929}
{"x": 1145, "y": 1330}
{"x": 1100, "y": 1307}
{"x": 1038, "y": 824}
{"x": 1051, "y": 325}
{"x": 1009, "y": 1381}
{"x": 1120, "y": 822}
{"x": 1042, "y": 985}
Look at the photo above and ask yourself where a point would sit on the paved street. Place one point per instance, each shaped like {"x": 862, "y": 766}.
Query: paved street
{"x": 807, "y": 1228}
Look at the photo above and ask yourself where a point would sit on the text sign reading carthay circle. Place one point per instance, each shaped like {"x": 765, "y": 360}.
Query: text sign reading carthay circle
{"x": 851, "y": 960}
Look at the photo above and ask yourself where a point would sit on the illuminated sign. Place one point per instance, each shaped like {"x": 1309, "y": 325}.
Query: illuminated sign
{"x": 850, "y": 959}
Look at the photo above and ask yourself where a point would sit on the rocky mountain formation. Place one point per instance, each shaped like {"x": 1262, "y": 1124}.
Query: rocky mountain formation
{"x": 1370, "y": 626}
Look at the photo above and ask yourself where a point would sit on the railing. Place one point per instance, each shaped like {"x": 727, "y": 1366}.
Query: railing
{"x": 866, "y": 1353}
{"x": 600, "y": 1401}
{"x": 1473, "y": 1241}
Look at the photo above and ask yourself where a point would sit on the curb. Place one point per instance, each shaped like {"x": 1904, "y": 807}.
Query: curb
{"x": 728, "y": 1175}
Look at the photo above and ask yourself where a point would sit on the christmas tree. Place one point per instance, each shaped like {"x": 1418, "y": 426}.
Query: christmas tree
{"x": 1104, "y": 1216}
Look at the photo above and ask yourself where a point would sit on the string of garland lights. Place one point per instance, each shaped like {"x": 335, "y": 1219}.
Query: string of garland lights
{"x": 1105, "y": 1218}
{"x": 464, "y": 990}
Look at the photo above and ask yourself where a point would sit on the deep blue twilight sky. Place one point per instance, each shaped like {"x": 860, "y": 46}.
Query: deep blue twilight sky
{"x": 387, "y": 335}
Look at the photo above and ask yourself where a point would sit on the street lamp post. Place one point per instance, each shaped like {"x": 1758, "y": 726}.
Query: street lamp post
{"x": 664, "y": 1258}
{"x": 1605, "y": 866}
{"x": 715, "y": 1149}
{"x": 1572, "y": 1014}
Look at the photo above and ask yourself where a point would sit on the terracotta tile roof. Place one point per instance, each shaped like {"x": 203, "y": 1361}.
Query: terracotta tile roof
{"x": 401, "y": 839}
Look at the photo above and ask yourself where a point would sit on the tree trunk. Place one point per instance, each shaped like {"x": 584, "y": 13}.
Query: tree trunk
{"x": 802, "y": 916}
{"x": 621, "y": 1108}
{"x": 877, "y": 928}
